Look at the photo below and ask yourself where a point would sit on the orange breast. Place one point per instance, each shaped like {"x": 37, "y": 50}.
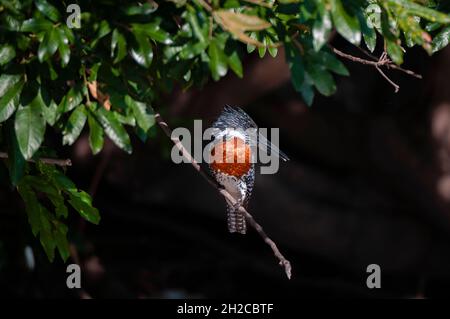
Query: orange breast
{"x": 231, "y": 157}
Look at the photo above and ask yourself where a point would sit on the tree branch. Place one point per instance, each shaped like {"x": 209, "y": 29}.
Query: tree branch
{"x": 396, "y": 86}
{"x": 282, "y": 260}
{"x": 377, "y": 63}
{"x": 350, "y": 57}
{"x": 46, "y": 160}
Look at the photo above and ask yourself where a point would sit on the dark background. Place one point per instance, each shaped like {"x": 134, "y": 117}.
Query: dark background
{"x": 368, "y": 182}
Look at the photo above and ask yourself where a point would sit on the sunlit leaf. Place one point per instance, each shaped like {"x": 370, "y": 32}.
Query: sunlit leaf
{"x": 10, "y": 100}
{"x": 7, "y": 53}
{"x": 74, "y": 125}
{"x": 112, "y": 127}
{"x": 346, "y": 25}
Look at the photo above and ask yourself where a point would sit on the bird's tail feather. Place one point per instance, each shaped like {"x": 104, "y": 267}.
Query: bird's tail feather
{"x": 236, "y": 221}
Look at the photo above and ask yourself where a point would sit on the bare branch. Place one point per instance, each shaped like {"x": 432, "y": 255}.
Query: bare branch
{"x": 282, "y": 260}
{"x": 409, "y": 72}
{"x": 396, "y": 86}
{"x": 46, "y": 160}
{"x": 392, "y": 65}
{"x": 360, "y": 60}
{"x": 377, "y": 63}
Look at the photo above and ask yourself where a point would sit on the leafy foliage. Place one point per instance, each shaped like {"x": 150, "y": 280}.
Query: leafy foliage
{"x": 50, "y": 186}
{"x": 109, "y": 71}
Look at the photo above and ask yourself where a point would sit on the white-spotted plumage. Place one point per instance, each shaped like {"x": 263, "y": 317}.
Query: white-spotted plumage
{"x": 232, "y": 124}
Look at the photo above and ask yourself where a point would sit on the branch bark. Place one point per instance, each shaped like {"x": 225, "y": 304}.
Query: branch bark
{"x": 46, "y": 160}
{"x": 377, "y": 63}
{"x": 251, "y": 221}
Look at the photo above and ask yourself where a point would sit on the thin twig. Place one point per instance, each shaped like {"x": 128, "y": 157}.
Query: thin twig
{"x": 282, "y": 260}
{"x": 46, "y": 160}
{"x": 409, "y": 72}
{"x": 378, "y": 63}
{"x": 396, "y": 86}
{"x": 360, "y": 60}
{"x": 391, "y": 65}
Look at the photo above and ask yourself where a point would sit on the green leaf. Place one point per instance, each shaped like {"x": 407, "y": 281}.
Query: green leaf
{"x": 415, "y": 9}
{"x": 49, "y": 45}
{"x": 273, "y": 50}
{"x": 43, "y": 184}
{"x": 189, "y": 50}
{"x": 63, "y": 182}
{"x": 60, "y": 237}
{"x": 433, "y": 26}
{"x": 200, "y": 33}
{"x": 50, "y": 113}
{"x": 307, "y": 93}
{"x": 74, "y": 125}
{"x": 15, "y": 159}
{"x": 115, "y": 131}
{"x": 395, "y": 51}
{"x": 297, "y": 74}
{"x": 58, "y": 201}
{"x": 79, "y": 200}
{"x": 217, "y": 61}
{"x": 103, "y": 30}
{"x": 46, "y": 235}
{"x": 29, "y": 126}
{"x": 71, "y": 100}
{"x": 144, "y": 115}
{"x": 322, "y": 79}
{"x": 321, "y": 30}
{"x": 95, "y": 135}
{"x": 68, "y": 32}
{"x": 118, "y": 41}
{"x": 235, "y": 63}
{"x": 262, "y": 49}
{"x": 368, "y": 32}
{"x": 94, "y": 72}
{"x": 7, "y": 53}
{"x": 10, "y": 23}
{"x": 82, "y": 204}
{"x": 251, "y": 47}
{"x": 127, "y": 118}
{"x": 333, "y": 64}
{"x": 48, "y": 10}
{"x": 23, "y": 42}
{"x": 10, "y": 100}
{"x": 7, "y": 81}
{"x": 40, "y": 102}
{"x": 63, "y": 47}
{"x": 32, "y": 206}
{"x": 346, "y": 25}
{"x": 144, "y": 9}
{"x": 154, "y": 31}
{"x": 142, "y": 51}
{"x": 35, "y": 25}
{"x": 389, "y": 28}
{"x": 441, "y": 40}
{"x": 296, "y": 67}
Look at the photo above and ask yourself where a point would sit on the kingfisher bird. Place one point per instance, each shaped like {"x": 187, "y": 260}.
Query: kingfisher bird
{"x": 231, "y": 161}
